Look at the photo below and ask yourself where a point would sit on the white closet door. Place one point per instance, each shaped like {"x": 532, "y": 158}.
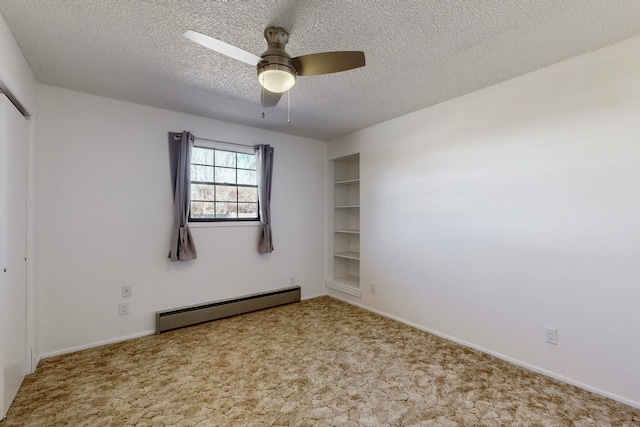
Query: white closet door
{"x": 13, "y": 250}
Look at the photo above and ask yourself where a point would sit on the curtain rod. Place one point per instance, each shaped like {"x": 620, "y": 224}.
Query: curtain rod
{"x": 222, "y": 142}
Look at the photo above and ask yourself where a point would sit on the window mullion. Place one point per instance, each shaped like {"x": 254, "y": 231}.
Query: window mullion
{"x": 215, "y": 187}
{"x": 237, "y": 205}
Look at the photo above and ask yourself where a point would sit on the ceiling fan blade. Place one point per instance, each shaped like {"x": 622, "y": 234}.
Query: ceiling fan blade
{"x": 328, "y": 62}
{"x": 269, "y": 99}
{"x": 222, "y": 47}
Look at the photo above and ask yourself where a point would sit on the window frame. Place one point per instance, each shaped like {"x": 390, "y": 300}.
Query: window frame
{"x": 209, "y": 222}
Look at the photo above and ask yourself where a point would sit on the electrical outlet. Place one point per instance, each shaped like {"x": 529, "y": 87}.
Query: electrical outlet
{"x": 551, "y": 335}
{"x": 123, "y": 308}
{"x": 292, "y": 281}
{"x": 126, "y": 291}
{"x": 372, "y": 288}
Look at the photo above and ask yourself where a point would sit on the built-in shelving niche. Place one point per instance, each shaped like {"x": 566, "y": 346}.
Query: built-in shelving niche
{"x": 346, "y": 226}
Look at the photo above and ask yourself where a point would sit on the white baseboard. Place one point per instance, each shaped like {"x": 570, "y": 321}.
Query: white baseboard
{"x": 312, "y": 297}
{"x": 94, "y": 344}
{"x": 35, "y": 367}
{"x": 517, "y": 362}
{"x": 114, "y": 340}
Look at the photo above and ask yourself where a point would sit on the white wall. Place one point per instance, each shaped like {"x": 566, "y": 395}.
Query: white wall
{"x": 105, "y": 217}
{"x": 496, "y": 214}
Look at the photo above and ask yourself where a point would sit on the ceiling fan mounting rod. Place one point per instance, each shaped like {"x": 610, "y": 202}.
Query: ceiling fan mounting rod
{"x": 276, "y": 35}
{"x": 276, "y": 54}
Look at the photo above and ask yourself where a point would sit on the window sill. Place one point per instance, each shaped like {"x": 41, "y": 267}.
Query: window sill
{"x": 200, "y": 224}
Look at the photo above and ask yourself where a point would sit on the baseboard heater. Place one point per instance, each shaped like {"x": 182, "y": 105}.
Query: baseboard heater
{"x": 167, "y": 320}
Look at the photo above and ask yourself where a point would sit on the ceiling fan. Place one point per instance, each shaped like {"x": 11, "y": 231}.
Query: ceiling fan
{"x": 277, "y": 70}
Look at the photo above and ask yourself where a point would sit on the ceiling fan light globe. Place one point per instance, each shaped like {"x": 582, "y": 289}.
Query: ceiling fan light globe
{"x": 276, "y": 79}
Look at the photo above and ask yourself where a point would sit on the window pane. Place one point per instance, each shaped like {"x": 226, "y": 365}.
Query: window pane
{"x": 247, "y": 210}
{"x": 201, "y": 173}
{"x": 226, "y": 193}
{"x": 226, "y": 159}
{"x": 247, "y": 194}
{"x": 203, "y": 156}
{"x": 247, "y": 161}
{"x": 196, "y": 209}
{"x": 218, "y": 178}
{"x": 247, "y": 177}
{"x": 226, "y": 210}
{"x": 209, "y": 209}
{"x": 201, "y": 192}
{"x": 202, "y": 210}
{"x": 226, "y": 175}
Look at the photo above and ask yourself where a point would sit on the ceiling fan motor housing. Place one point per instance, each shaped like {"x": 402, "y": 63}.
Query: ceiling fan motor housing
{"x": 276, "y": 57}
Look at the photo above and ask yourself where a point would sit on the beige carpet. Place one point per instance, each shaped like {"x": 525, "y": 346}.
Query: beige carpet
{"x": 319, "y": 362}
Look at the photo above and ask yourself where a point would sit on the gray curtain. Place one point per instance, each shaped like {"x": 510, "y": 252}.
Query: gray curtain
{"x": 264, "y": 163}
{"x": 182, "y": 246}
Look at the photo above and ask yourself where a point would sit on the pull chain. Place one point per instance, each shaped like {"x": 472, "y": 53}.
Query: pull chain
{"x": 288, "y": 109}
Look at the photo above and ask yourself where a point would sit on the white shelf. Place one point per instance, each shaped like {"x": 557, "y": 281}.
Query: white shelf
{"x": 351, "y": 281}
{"x": 348, "y": 231}
{"x": 347, "y": 206}
{"x": 348, "y": 255}
{"x": 348, "y": 182}
{"x": 349, "y": 285}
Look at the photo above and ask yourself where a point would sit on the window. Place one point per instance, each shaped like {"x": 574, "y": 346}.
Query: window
{"x": 224, "y": 185}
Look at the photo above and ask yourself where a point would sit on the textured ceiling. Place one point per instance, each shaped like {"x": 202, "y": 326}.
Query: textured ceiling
{"x": 418, "y": 52}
